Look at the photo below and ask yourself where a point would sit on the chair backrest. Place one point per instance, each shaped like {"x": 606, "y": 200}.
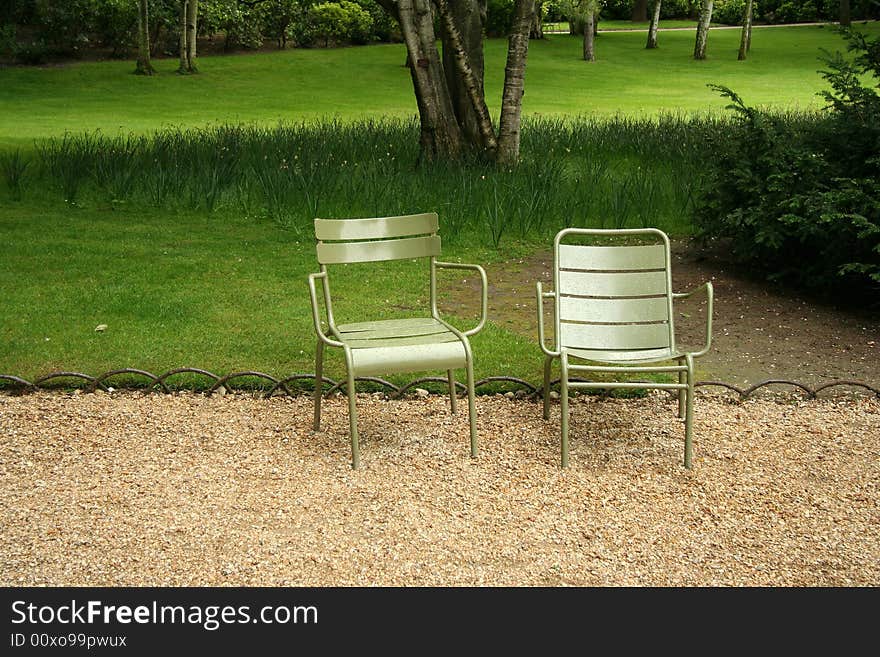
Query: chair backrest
{"x": 613, "y": 297}
{"x": 377, "y": 239}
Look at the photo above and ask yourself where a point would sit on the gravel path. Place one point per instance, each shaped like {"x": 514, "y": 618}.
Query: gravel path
{"x": 132, "y": 489}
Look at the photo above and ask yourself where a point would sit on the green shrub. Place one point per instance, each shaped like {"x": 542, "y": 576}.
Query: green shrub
{"x": 340, "y": 22}
{"x": 799, "y": 197}
{"x": 729, "y": 12}
{"x": 499, "y": 18}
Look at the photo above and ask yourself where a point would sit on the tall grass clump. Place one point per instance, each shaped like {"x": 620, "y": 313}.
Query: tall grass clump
{"x": 14, "y": 166}
{"x": 619, "y": 172}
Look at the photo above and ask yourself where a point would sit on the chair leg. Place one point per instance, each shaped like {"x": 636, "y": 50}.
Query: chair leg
{"x": 352, "y": 421}
{"x": 472, "y": 412}
{"x": 319, "y": 384}
{"x": 563, "y": 399}
{"x": 689, "y": 414}
{"x": 452, "y": 399}
{"x": 682, "y": 393}
{"x": 548, "y": 364}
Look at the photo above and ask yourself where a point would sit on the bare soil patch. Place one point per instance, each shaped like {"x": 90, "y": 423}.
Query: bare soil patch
{"x": 760, "y": 331}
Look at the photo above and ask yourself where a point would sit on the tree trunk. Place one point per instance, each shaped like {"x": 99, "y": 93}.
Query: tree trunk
{"x": 589, "y": 37}
{"x": 654, "y": 27}
{"x": 845, "y": 18}
{"x": 703, "y": 29}
{"x": 514, "y": 84}
{"x": 537, "y": 30}
{"x": 144, "y": 66}
{"x": 192, "y": 17}
{"x": 640, "y": 11}
{"x": 746, "y": 37}
{"x": 181, "y": 67}
{"x": 440, "y": 136}
{"x": 462, "y": 37}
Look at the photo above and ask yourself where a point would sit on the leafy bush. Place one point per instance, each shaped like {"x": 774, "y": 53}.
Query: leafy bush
{"x": 340, "y": 22}
{"x": 729, "y": 12}
{"x": 499, "y": 17}
{"x": 799, "y": 197}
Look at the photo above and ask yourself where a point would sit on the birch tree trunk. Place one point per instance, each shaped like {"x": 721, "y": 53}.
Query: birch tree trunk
{"x": 640, "y": 11}
{"x": 537, "y": 31}
{"x": 746, "y": 37}
{"x": 452, "y": 123}
{"x": 654, "y": 27}
{"x": 590, "y": 37}
{"x": 703, "y": 29}
{"x": 845, "y": 18}
{"x": 514, "y": 84}
{"x": 440, "y": 135}
{"x": 462, "y": 37}
{"x": 192, "y": 17}
{"x": 143, "y": 65}
{"x": 181, "y": 67}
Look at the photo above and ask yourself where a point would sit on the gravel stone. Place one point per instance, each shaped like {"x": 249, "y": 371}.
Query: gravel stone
{"x": 132, "y": 489}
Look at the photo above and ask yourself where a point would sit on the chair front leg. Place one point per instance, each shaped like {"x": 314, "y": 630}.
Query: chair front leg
{"x": 352, "y": 412}
{"x": 472, "y": 411}
{"x": 319, "y": 383}
{"x": 689, "y": 414}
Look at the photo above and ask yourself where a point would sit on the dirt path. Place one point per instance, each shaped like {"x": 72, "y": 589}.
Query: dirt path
{"x": 760, "y": 331}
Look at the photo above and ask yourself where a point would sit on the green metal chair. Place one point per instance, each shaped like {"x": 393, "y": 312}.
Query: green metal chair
{"x": 385, "y": 346}
{"x": 613, "y": 314}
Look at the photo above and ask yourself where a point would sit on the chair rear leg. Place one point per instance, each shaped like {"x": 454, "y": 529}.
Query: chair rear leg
{"x": 452, "y": 399}
{"x": 472, "y": 411}
{"x": 689, "y": 414}
{"x": 548, "y": 364}
{"x": 682, "y": 393}
{"x": 319, "y": 384}
{"x": 352, "y": 421}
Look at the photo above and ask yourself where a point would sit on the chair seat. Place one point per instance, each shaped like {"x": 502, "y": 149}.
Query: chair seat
{"x": 640, "y": 356}
{"x": 402, "y": 345}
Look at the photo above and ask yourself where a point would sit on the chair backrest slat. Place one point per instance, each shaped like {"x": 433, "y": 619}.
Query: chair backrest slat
{"x": 611, "y": 258}
{"x": 615, "y": 336}
{"x": 330, "y": 253}
{"x": 612, "y": 284}
{"x": 377, "y": 239}
{"x": 613, "y": 311}
{"x": 377, "y": 228}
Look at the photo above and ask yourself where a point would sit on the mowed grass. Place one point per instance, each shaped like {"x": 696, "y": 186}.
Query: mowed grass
{"x": 358, "y": 82}
{"x": 182, "y": 290}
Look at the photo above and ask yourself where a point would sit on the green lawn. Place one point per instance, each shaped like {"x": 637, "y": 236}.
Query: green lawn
{"x": 782, "y": 71}
{"x": 225, "y": 291}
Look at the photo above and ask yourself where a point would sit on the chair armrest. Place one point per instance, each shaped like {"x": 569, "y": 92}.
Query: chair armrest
{"x": 541, "y": 295}
{"x": 710, "y": 296}
{"x": 316, "y": 315}
{"x": 484, "y": 300}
